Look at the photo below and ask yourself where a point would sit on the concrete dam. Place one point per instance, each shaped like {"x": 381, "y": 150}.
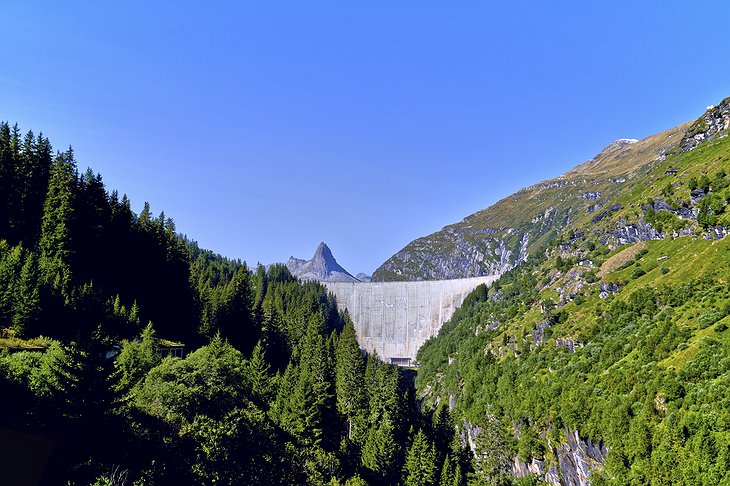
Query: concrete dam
{"x": 395, "y": 318}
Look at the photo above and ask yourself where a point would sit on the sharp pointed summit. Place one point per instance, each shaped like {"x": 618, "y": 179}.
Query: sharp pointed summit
{"x": 322, "y": 267}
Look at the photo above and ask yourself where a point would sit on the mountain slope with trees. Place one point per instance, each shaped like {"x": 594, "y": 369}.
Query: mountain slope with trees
{"x": 605, "y": 357}
{"x": 273, "y": 388}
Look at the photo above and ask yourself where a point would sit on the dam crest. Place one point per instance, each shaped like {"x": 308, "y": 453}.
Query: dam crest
{"x": 394, "y": 319}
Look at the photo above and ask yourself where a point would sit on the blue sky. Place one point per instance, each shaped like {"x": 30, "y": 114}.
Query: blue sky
{"x": 263, "y": 128}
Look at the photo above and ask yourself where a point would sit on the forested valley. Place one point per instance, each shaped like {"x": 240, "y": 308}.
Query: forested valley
{"x": 130, "y": 355}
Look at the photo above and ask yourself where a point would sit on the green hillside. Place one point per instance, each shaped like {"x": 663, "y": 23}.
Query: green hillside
{"x": 610, "y": 189}
{"x": 605, "y": 357}
{"x": 129, "y": 355}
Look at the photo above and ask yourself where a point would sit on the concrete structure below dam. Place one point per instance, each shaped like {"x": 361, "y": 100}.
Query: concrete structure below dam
{"x": 395, "y": 318}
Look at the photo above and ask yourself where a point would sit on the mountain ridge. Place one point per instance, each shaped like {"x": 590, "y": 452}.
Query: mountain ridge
{"x": 501, "y": 236}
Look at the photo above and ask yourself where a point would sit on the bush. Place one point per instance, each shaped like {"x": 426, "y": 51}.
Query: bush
{"x": 664, "y": 270}
{"x": 709, "y": 318}
{"x": 626, "y": 264}
{"x": 638, "y": 272}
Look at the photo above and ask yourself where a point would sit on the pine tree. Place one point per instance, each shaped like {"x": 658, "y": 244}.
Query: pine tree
{"x": 380, "y": 452}
{"x": 136, "y": 359}
{"x": 26, "y": 306}
{"x": 305, "y": 402}
{"x": 258, "y": 371}
{"x": 350, "y": 383}
{"x": 420, "y": 464}
{"x": 55, "y": 244}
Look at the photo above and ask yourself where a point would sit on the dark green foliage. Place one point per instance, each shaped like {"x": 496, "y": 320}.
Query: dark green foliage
{"x": 420, "y": 464}
{"x": 273, "y": 389}
{"x": 352, "y": 399}
{"x": 637, "y": 272}
{"x": 136, "y": 358}
{"x": 704, "y": 183}
{"x": 494, "y": 454}
{"x": 306, "y": 394}
{"x": 692, "y": 183}
{"x": 662, "y": 425}
{"x": 55, "y": 244}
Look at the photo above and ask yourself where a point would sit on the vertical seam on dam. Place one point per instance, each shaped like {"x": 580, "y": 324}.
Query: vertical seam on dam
{"x": 394, "y": 319}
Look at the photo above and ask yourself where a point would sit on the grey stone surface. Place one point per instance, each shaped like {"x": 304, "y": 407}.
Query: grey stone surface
{"x": 712, "y": 125}
{"x": 321, "y": 267}
{"x": 395, "y": 318}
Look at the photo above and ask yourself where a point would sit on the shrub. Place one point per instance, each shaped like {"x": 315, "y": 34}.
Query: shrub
{"x": 638, "y": 272}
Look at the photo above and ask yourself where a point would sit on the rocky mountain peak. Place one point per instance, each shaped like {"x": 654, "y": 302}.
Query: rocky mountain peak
{"x": 323, "y": 254}
{"x": 321, "y": 267}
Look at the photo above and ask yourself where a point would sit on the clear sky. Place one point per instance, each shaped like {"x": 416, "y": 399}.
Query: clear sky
{"x": 265, "y": 127}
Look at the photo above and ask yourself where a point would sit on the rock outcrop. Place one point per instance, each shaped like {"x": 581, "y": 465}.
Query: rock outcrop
{"x": 577, "y": 458}
{"x": 708, "y": 127}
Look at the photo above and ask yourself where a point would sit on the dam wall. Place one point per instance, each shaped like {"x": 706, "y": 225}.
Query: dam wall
{"x": 395, "y": 318}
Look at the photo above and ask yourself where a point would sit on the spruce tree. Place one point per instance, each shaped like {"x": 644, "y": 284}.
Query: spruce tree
{"x": 380, "y": 452}
{"x": 11, "y": 259}
{"x": 55, "y": 244}
{"x": 258, "y": 371}
{"x": 420, "y": 464}
{"x": 26, "y": 307}
{"x": 443, "y": 430}
{"x": 448, "y": 472}
{"x": 236, "y": 317}
{"x": 305, "y": 402}
{"x": 7, "y": 171}
{"x": 136, "y": 358}
{"x": 350, "y": 383}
